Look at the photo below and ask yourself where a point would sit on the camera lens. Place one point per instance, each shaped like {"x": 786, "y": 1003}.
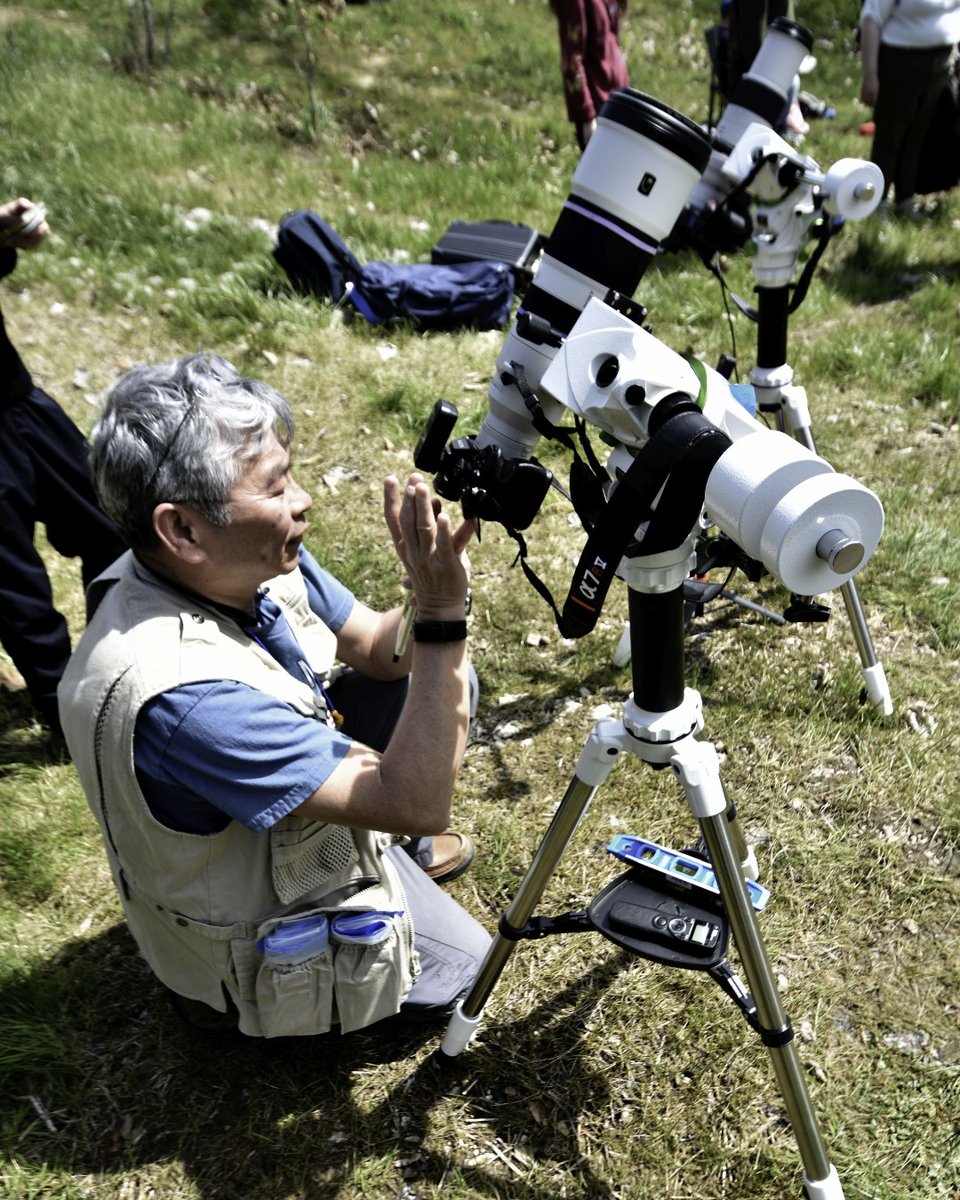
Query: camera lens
{"x": 633, "y": 179}
{"x": 630, "y": 185}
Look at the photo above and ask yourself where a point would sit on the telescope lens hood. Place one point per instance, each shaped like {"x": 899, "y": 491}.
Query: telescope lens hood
{"x": 791, "y": 29}
{"x": 661, "y": 124}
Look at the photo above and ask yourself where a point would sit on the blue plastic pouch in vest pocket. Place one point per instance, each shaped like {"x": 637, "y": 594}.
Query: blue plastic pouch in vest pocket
{"x": 294, "y": 985}
{"x": 293, "y": 942}
{"x": 363, "y": 928}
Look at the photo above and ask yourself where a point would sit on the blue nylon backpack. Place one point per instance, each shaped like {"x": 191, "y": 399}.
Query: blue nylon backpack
{"x": 443, "y": 297}
{"x": 316, "y": 259}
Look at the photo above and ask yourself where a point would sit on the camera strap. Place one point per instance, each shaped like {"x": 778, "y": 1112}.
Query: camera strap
{"x": 587, "y": 477}
{"x": 660, "y": 496}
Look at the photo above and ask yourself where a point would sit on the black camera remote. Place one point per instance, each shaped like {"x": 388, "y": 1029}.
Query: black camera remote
{"x": 642, "y": 921}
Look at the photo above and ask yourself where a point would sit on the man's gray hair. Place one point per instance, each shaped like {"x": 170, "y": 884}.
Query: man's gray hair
{"x": 180, "y": 431}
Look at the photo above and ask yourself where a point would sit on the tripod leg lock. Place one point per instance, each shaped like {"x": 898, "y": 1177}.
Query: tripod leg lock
{"x": 607, "y": 741}
{"x": 774, "y": 1039}
{"x": 697, "y": 766}
{"x": 541, "y": 927}
{"x": 512, "y": 934}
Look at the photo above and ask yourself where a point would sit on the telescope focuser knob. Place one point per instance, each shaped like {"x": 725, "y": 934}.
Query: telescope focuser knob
{"x": 864, "y": 191}
{"x": 843, "y": 554}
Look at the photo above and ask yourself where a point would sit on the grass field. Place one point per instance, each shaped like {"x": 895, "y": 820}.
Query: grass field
{"x": 594, "y": 1074}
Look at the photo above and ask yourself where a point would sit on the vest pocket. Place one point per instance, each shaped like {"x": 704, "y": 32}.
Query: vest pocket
{"x": 368, "y": 985}
{"x": 347, "y": 984}
{"x": 296, "y": 999}
{"x": 291, "y": 998}
{"x": 312, "y": 858}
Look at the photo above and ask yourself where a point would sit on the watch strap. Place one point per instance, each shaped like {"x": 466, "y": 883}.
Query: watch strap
{"x": 439, "y": 631}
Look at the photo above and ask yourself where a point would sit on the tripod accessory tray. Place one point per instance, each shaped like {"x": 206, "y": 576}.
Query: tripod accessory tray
{"x": 659, "y": 924}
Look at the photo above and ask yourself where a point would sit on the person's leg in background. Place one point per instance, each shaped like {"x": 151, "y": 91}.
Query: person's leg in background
{"x": 32, "y": 632}
{"x": 909, "y": 84}
{"x": 924, "y": 76}
{"x": 44, "y": 479}
{"x": 748, "y": 27}
{"x": 66, "y": 505}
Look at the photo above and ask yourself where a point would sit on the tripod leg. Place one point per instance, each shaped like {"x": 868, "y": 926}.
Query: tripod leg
{"x": 596, "y": 761}
{"x": 874, "y": 678}
{"x": 795, "y": 419}
{"x": 696, "y": 765}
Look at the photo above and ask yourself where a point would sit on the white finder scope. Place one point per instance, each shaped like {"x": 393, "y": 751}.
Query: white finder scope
{"x": 759, "y": 97}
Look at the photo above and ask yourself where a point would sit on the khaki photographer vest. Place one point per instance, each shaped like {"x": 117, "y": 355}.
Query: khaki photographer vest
{"x": 198, "y": 904}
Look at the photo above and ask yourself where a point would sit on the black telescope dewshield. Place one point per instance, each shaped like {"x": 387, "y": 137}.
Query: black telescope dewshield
{"x": 631, "y": 184}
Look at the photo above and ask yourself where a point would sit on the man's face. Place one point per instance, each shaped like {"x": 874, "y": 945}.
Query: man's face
{"x": 268, "y": 521}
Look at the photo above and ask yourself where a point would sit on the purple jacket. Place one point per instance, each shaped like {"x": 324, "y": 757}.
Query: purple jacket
{"x": 591, "y": 60}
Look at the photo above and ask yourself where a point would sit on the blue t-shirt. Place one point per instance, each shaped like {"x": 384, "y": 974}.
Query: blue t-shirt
{"x": 211, "y": 752}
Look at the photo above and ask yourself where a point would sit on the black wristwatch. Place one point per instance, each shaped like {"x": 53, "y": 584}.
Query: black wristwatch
{"x": 439, "y": 631}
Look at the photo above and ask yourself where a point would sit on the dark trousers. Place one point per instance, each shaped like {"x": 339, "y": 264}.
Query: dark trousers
{"x": 44, "y": 479}
{"x": 910, "y": 85}
{"x": 748, "y": 27}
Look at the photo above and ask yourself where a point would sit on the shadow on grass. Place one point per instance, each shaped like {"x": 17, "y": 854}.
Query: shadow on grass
{"x": 872, "y": 271}
{"x": 24, "y": 741}
{"x": 99, "y": 1078}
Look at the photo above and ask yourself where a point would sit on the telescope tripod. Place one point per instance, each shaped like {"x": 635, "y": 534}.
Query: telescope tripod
{"x": 772, "y": 379}
{"x": 658, "y": 919}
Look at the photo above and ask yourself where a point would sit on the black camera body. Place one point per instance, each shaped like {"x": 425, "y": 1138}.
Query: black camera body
{"x": 718, "y": 228}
